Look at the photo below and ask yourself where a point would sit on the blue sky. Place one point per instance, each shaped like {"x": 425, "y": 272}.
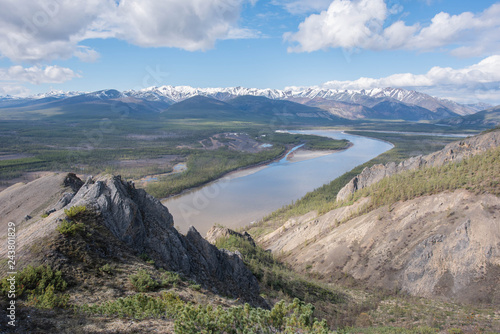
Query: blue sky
{"x": 445, "y": 48}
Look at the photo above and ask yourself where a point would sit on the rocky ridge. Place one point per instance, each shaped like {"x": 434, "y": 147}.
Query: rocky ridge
{"x": 143, "y": 225}
{"x": 455, "y": 151}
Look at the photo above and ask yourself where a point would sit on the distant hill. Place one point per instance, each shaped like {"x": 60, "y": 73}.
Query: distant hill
{"x": 250, "y": 108}
{"x": 485, "y": 119}
{"x": 262, "y": 107}
{"x": 398, "y": 110}
{"x": 201, "y": 107}
{"x": 341, "y": 109}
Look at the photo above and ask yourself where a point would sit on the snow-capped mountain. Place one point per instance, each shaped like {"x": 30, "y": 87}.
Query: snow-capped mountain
{"x": 58, "y": 94}
{"x": 376, "y": 102}
{"x": 367, "y": 98}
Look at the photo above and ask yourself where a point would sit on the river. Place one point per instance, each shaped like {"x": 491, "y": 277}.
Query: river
{"x": 246, "y": 196}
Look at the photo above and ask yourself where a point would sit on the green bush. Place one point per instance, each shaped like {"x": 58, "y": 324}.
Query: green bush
{"x": 40, "y": 284}
{"x": 142, "y": 281}
{"x": 48, "y": 299}
{"x": 69, "y": 228}
{"x": 138, "y": 306}
{"x": 295, "y": 317}
{"x": 169, "y": 278}
{"x": 74, "y": 211}
{"x": 106, "y": 269}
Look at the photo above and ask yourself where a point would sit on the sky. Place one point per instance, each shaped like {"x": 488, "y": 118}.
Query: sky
{"x": 449, "y": 49}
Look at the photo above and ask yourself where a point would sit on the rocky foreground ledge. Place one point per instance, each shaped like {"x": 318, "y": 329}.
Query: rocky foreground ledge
{"x": 134, "y": 218}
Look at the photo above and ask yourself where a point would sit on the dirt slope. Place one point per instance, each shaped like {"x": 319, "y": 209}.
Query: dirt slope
{"x": 445, "y": 245}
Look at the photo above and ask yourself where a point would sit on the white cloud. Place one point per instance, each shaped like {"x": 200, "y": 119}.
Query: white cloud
{"x": 360, "y": 24}
{"x": 44, "y": 30}
{"x": 479, "y": 82}
{"x": 37, "y": 75}
{"x": 303, "y": 6}
{"x": 13, "y": 90}
{"x": 345, "y": 24}
{"x": 243, "y": 33}
{"x": 186, "y": 24}
{"x": 35, "y": 30}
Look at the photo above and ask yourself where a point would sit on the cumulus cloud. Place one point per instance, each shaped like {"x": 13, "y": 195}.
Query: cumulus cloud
{"x": 479, "y": 82}
{"x": 37, "y": 75}
{"x": 43, "y": 30}
{"x": 346, "y": 24}
{"x": 186, "y": 24}
{"x": 362, "y": 24}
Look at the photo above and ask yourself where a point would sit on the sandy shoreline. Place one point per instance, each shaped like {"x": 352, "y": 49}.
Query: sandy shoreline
{"x": 304, "y": 154}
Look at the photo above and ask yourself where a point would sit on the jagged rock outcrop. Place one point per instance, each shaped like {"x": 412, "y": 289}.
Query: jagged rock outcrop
{"x": 455, "y": 151}
{"x": 146, "y": 226}
{"x": 137, "y": 223}
{"x": 217, "y": 232}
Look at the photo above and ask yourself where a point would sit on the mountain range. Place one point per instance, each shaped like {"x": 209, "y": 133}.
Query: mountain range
{"x": 386, "y": 103}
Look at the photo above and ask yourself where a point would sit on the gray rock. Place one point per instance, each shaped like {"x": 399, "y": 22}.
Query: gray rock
{"x": 72, "y": 181}
{"x": 145, "y": 225}
{"x": 48, "y": 212}
{"x": 217, "y": 232}
{"x": 65, "y": 200}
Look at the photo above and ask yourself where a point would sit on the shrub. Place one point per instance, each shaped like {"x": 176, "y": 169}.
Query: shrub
{"x": 75, "y": 211}
{"x": 169, "y": 278}
{"x": 138, "y": 306}
{"x": 106, "y": 269}
{"x": 41, "y": 283}
{"x": 69, "y": 228}
{"x": 293, "y": 317}
{"x": 142, "y": 281}
{"x": 455, "y": 331}
{"x": 48, "y": 299}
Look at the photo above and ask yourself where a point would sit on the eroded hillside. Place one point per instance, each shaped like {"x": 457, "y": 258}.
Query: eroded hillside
{"x": 427, "y": 231}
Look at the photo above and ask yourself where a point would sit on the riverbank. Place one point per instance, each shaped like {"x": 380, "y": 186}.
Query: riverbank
{"x": 238, "y": 199}
{"x": 306, "y": 154}
{"x": 295, "y": 154}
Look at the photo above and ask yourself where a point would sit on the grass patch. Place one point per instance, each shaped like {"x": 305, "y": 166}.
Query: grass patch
{"x": 388, "y": 330}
